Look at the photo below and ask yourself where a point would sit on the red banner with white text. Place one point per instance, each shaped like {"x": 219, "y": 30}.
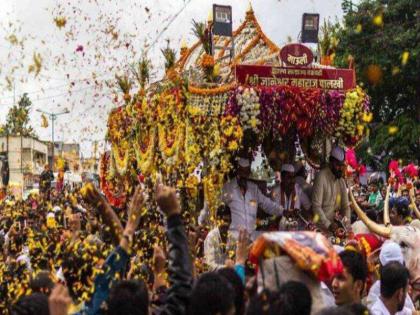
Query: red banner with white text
{"x": 317, "y": 78}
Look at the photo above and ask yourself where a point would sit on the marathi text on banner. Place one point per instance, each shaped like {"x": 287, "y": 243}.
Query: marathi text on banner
{"x": 327, "y": 79}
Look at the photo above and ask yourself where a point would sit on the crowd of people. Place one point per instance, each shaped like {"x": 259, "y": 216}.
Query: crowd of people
{"x": 68, "y": 251}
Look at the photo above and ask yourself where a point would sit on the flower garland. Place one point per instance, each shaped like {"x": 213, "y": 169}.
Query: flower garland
{"x": 198, "y": 104}
{"x": 115, "y": 199}
{"x": 144, "y": 149}
{"x": 351, "y": 126}
{"x": 328, "y": 113}
{"x": 211, "y": 91}
{"x": 176, "y": 130}
{"x": 231, "y": 133}
{"x": 212, "y": 190}
{"x": 310, "y": 110}
{"x": 192, "y": 156}
{"x": 249, "y": 103}
{"x": 119, "y": 123}
{"x": 170, "y": 142}
{"x": 207, "y": 61}
{"x": 120, "y": 154}
{"x": 170, "y": 129}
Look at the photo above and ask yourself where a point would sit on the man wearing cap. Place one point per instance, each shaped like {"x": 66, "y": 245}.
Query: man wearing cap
{"x": 219, "y": 244}
{"x": 243, "y": 198}
{"x": 390, "y": 252}
{"x": 330, "y": 193}
{"x": 288, "y": 194}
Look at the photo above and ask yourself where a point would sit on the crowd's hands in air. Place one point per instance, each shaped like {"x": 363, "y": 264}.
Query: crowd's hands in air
{"x": 167, "y": 200}
{"x": 133, "y": 219}
{"x": 92, "y": 196}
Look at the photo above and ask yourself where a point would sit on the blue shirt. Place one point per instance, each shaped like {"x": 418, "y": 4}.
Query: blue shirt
{"x": 115, "y": 263}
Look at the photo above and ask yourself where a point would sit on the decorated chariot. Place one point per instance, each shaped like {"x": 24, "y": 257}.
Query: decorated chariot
{"x": 227, "y": 96}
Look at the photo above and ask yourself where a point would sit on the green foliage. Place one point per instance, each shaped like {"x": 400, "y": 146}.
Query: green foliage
{"x": 328, "y": 41}
{"x": 170, "y": 55}
{"x": 200, "y": 30}
{"x": 141, "y": 71}
{"x": 401, "y": 143}
{"x": 371, "y": 42}
{"x": 17, "y": 122}
{"x": 347, "y": 6}
{"x": 385, "y": 36}
{"x": 124, "y": 83}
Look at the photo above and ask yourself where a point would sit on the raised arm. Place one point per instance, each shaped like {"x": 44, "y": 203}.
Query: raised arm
{"x": 180, "y": 264}
{"x": 117, "y": 261}
{"x": 268, "y": 205}
{"x": 91, "y": 195}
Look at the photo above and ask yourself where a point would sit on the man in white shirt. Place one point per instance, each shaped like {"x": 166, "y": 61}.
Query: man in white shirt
{"x": 329, "y": 193}
{"x": 394, "y": 285}
{"x": 219, "y": 246}
{"x": 390, "y": 252}
{"x": 243, "y": 198}
{"x": 289, "y": 195}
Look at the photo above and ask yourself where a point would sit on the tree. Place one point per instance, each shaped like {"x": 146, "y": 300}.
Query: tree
{"x": 17, "y": 122}
{"x": 383, "y": 37}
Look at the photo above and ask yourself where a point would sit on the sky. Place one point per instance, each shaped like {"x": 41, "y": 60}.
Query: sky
{"x": 73, "y": 66}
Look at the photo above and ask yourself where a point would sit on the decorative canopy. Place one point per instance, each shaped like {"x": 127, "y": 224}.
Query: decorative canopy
{"x": 252, "y": 46}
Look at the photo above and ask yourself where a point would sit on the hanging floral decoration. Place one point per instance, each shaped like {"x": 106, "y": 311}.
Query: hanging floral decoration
{"x": 112, "y": 189}
{"x": 351, "y": 125}
{"x": 249, "y": 103}
{"x": 179, "y": 127}
{"x": 308, "y": 110}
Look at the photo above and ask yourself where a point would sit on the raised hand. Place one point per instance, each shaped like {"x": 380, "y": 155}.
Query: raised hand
{"x": 91, "y": 195}
{"x": 167, "y": 200}
{"x": 134, "y": 210}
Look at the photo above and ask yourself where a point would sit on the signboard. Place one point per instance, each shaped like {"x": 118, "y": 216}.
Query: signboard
{"x": 327, "y": 79}
{"x": 222, "y": 20}
{"x": 310, "y": 26}
{"x": 296, "y": 55}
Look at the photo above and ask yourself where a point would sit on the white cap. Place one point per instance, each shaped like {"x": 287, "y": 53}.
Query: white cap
{"x": 243, "y": 162}
{"x": 390, "y": 251}
{"x": 338, "y": 153}
{"x": 56, "y": 209}
{"x": 50, "y": 215}
{"x": 288, "y": 168}
{"x": 338, "y": 248}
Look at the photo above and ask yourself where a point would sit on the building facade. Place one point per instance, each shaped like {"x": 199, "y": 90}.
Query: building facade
{"x": 69, "y": 152}
{"x": 26, "y": 156}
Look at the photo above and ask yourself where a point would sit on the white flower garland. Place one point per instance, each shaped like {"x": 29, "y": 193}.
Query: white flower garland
{"x": 249, "y": 102}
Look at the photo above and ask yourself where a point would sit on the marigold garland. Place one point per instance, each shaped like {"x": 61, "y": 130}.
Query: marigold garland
{"x": 120, "y": 154}
{"x": 144, "y": 149}
{"x": 207, "y": 61}
{"x": 115, "y": 199}
{"x": 177, "y": 129}
{"x": 211, "y": 91}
